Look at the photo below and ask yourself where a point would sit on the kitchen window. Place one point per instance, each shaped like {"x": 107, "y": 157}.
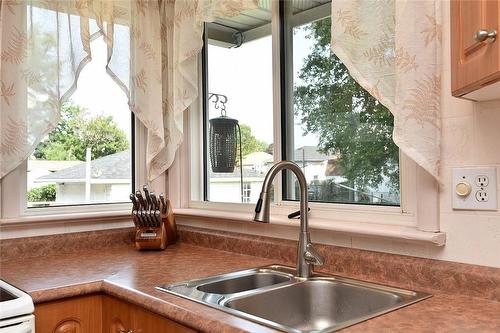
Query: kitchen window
{"x": 87, "y": 159}
{"x": 87, "y": 164}
{"x": 332, "y": 128}
{"x": 354, "y": 170}
{"x": 238, "y": 81}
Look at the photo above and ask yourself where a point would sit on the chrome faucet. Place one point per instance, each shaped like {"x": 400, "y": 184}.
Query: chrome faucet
{"x": 306, "y": 254}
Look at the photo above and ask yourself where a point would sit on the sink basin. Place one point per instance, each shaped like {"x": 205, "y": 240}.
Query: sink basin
{"x": 213, "y": 289}
{"x": 316, "y": 305}
{"x": 255, "y": 280}
{"x": 273, "y": 296}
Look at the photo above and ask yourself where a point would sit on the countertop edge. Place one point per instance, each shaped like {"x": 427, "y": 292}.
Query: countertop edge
{"x": 169, "y": 310}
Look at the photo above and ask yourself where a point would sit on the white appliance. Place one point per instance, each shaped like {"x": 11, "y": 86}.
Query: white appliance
{"x": 16, "y": 310}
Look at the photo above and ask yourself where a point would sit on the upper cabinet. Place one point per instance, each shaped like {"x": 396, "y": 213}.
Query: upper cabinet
{"x": 475, "y": 49}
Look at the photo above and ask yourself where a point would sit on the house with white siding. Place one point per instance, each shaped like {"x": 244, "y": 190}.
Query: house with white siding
{"x": 110, "y": 180}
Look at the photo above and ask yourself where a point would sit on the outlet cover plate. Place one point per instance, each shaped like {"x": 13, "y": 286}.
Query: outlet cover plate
{"x": 472, "y": 177}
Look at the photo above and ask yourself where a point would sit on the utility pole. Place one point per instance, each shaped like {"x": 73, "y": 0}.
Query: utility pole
{"x": 88, "y": 170}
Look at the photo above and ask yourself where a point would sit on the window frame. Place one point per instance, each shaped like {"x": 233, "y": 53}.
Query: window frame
{"x": 13, "y": 205}
{"x": 287, "y": 98}
{"x": 419, "y": 204}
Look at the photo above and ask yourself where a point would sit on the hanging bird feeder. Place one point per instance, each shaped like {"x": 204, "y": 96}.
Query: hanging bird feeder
{"x": 223, "y": 143}
{"x": 225, "y": 139}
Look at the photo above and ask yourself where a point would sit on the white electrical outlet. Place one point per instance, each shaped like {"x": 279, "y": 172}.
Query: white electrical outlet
{"x": 474, "y": 188}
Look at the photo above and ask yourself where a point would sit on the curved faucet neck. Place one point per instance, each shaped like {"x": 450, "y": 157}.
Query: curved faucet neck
{"x": 266, "y": 188}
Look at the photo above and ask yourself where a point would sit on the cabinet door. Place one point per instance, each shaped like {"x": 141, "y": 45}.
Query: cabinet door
{"x": 474, "y": 64}
{"x": 115, "y": 316}
{"x": 144, "y": 321}
{"x": 72, "y": 315}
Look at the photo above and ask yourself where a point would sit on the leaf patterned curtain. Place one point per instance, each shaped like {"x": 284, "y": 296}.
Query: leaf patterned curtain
{"x": 392, "y": 48}
{"x": 152, "y": 50}
{"x": 33, "y": 38}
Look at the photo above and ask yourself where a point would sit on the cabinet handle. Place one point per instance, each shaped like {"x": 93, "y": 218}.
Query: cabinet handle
{"x": 483, "y": 35}
{"x": 123, "y": 331}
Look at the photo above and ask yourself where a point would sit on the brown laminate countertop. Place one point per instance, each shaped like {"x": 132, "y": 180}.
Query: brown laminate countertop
{"x": 130, "y": 275}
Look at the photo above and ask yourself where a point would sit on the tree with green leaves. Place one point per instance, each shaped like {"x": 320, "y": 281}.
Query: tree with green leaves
{"x": 249, "y": 143}
{"x": 349, "y": 122}
{"x": 75, "y": 132}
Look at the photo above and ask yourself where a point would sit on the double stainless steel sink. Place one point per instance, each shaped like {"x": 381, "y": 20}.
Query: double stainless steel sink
{"x": 294, "y": 299}
{"x": 275, "y": 297}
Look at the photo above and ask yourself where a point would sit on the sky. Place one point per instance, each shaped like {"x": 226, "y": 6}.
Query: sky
{"x": 98, "y": 93}
{"x": 244, "y": 75}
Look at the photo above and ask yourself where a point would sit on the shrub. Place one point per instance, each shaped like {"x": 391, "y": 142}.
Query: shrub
{"x": 43, "y": 193}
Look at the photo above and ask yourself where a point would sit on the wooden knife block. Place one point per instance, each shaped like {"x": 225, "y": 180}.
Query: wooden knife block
{"x": 151, "y": 238}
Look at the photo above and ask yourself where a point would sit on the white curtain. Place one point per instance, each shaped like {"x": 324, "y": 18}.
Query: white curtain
{"x": 392, "y": 48}
{"x": 181, "y": 29}
{"x": 152, "y": 49}
{"x": 34, "y": 39}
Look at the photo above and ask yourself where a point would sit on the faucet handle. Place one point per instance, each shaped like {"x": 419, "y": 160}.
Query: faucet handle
{"x": 312, "y": 256}
{"x": 296, "y": 213}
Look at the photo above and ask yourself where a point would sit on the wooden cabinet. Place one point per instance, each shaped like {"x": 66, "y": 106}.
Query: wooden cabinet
{"x": 115, "y": 315}
{"x": 72, "y": 315}
{"x": 100, "y": 313}
{"x": 144, "y": 321}
{"x": 475, "y": 64}
{"x": 120, "y": 316}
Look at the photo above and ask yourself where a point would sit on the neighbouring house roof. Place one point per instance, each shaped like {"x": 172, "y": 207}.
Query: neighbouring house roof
{"x": 112, "y": 167}
{"x": 50, "y": 165}
{"x": 258, "y": 158}
{"x": 310, "y": 154}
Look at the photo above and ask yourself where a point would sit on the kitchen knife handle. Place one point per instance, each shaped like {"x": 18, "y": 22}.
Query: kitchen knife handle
{"x": 145, "y": 218}
{"x": 163, "y": 204}
{"x": 135, "y": 204}
{"x": 142, "y": 203}
{"x": 146, "y": 194}
{"x": 136, "y": 217}
{"x": 140, "y": 219}
{"x": 154, "y": 200}
{"x": 158, "y": 218}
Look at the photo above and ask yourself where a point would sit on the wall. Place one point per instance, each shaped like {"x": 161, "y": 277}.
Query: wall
{"x": 222, "y": 190}
{"x": 68, "y": 193}
{"x": 470, "y": 137}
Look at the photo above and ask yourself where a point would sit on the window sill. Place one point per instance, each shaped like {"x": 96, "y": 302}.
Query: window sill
{"x": 69, "y": 217}
{"x": 372, "y": 230}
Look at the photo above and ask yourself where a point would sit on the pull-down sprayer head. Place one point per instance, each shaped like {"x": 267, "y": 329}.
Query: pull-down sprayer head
{"x": 262, "y": 208}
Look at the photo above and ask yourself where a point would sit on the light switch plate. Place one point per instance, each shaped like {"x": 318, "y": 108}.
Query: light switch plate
{"x": 474, "y": 188}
